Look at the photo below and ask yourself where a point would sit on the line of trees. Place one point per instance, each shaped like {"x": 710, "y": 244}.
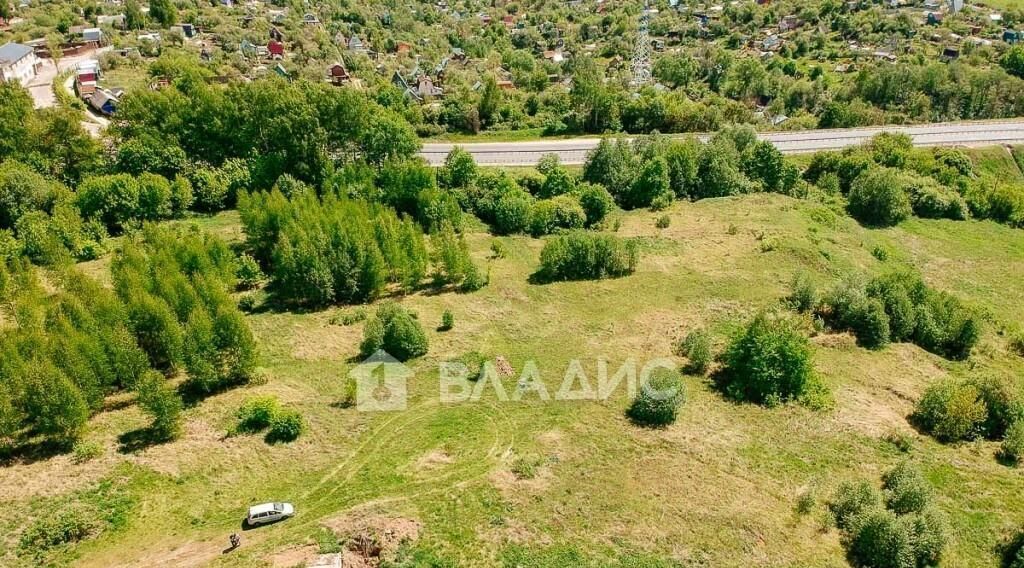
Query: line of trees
{"x": 339, "y": 250}
{"x": 652, "y": 171}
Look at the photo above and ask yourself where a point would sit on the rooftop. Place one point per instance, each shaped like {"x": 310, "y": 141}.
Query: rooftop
{"x": 13, "y": 52}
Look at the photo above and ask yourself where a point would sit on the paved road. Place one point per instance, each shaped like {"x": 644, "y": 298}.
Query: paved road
{"x": 574, "y": 150}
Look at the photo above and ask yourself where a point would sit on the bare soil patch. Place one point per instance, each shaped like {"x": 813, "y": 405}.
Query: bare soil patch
{"x": 372, "y": 537}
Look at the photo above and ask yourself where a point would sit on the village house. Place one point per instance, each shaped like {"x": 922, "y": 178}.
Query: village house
{"x": 788, "y": 23}
{"x": 275, "y": 49}
{"x": 355, "y": 44}
{"x": 771, "y": 43}
{"x": 18, "y": 63}
{"x": 337, "y": 74}
{"x": 187, "y": 31}
{"x": 87, "y": 73}
{"x": 116, "y": 21}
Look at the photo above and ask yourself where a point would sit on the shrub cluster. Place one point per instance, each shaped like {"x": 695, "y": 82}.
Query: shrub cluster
{"x": 954, "y": 410}
{"x": 553, "y": 202}
{"x": 696, "y": 347}
{"x": 117, "y": 200}
{"x": 580, "y": 255}
{"x": 899, "y": 306}
{"x": 907, "y": 532}
{"x": 769, "y": 362}
{"x": 395, "y": 330}
{"x": 266, "y": 413}
{"x": 658, "y": 400}
{"x": 885, "y": 183}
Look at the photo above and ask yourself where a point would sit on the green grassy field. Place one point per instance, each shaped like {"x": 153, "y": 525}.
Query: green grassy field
{"x": 533, "y": 483}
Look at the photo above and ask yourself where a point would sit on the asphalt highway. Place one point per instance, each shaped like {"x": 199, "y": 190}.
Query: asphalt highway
{"x": 574, "y": 150}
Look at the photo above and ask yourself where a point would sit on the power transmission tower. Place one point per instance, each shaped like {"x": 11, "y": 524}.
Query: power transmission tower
{"x": 642, "y": 52}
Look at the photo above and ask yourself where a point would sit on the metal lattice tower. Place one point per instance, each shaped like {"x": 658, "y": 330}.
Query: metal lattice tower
{"x": 642, "y": 53}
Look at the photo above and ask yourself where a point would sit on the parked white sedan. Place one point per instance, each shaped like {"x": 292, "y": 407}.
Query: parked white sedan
{"x": 269, "y": 512}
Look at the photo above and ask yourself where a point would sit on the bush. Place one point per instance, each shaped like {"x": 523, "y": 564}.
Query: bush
{"x": 247, "y": 303}
{"x": 447, "y": 321}
{"x": 803, "y": 295}
{"x": 395, "y": 331}
{"x": 161, "y": 402}
{"x": 249, "y": 273}
{"x": 513, "y": 212}
{"x": 697, "y": 348}
{"x": 210, "y": 188}
{"x": 112, "y": 199}
{"x": 595, "y": 201}
{"x": 66, "y": 526}
{"x": 658, "y": 401}
{"x": 459, "y": 169}
{"x": 579, "y": 255}
{"x": 561, "y": 212}
{"x": 1003, "y": 404}
{"x": 878, "y": 198}
{"x": 285, "y": 426}
{"x": 256, "y": 414}
{"x": 906, "y": 490}
{"x": 945, "y": 327}
{"x": 880, "y": 539}
{"x": 1012, "y": 551}
{"x": 894, "y": 291}
{"x": 847, "y": 306}
{"x": 890, "y": 149}
{"x": 155, "y": 197}
{"x": 951, "y": 410}
{"x": 870, "y": 324}
{"x": 86, "y": 451}
{"x": 1012, "y": 447}
{"x": 850, "y": 500}
{"x": 931, "y": 200}
{"x": 908, "y": 534}
{"x": 663, "y": 222}
{"x": 769, "y": 362}
{"x": 928, "y": 530}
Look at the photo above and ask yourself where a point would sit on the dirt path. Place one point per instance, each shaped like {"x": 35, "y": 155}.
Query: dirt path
{"x": 41, "y": 87}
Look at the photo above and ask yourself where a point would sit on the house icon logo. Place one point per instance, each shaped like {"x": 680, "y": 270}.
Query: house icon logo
{"x": 381, "y": 383}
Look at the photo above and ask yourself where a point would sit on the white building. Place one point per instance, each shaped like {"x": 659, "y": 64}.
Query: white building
{"x": 18, "y": 63}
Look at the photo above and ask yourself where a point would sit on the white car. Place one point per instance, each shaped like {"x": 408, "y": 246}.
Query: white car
{"x": 269, "y": 512}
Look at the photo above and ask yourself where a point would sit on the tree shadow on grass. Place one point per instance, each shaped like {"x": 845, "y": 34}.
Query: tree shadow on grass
{"x": 192, "y": 392}
{"x": 31, "y": 451}
{"x": 135, "y": 441}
